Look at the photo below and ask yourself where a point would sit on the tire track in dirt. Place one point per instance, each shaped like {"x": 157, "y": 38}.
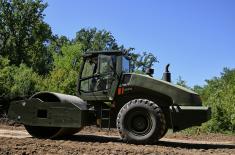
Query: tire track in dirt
{"x": 23, "y": 134}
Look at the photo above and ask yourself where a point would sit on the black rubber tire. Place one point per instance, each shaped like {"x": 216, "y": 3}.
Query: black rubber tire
{"x": 50, "y": 132}
{"x": 141, "y": 121}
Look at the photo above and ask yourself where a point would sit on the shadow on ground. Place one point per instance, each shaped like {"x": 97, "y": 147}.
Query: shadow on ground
{"x": 164, "y": 142}
{"x": 189, "y": 145}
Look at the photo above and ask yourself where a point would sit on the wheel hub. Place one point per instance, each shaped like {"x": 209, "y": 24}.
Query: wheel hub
{"x": 139, "y": 123}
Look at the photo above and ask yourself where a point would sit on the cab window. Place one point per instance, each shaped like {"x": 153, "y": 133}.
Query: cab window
{"x": 125, "y": 65}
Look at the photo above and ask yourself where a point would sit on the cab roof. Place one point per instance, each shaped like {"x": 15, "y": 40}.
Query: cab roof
{"x": 95, "y": 53}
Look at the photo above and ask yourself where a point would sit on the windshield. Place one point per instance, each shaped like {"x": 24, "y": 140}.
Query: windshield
{"x": 97, "y": 73}
{"x": 106, "y": 64}
{"x": 90, "y": 67}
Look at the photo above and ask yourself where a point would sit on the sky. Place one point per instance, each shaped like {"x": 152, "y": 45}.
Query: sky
{"x": 197, "y": 37}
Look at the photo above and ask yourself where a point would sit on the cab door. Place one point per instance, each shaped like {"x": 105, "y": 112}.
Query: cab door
{"x": 97, "y": 77}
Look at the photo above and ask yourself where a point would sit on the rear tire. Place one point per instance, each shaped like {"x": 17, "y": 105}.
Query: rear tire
{"x": 141, "y": 121}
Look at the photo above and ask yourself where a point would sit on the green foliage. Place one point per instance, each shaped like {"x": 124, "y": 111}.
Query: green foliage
{"x": 5, "y": 77}
{"x": 96, "y": 40}
{"x": 3, "y": 62}
{"x": 142, "y": 61}
{"x": 24, "y": 34}
{"x": 57, "y": 43}
{"x": 18, "y": 81}
{"x": 61, "y": 80}
{"x": 26, "y": 82}
{"x": 219, "y": 95}
{"x": 64, "y": 76}
{"x": 69, "y": 57}
{"x": 182, "y": 82}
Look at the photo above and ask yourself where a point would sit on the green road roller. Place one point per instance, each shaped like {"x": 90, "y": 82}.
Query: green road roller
{"x": 110, "y": 95}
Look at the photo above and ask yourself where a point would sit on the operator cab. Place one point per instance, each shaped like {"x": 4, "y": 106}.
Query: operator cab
{"x": 100, "y": 74}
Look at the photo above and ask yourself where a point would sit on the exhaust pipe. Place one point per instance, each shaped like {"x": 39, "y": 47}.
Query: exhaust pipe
{"x": 167, "y": 74}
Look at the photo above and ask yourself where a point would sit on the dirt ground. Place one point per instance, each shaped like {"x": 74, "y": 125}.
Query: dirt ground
{"x": 92, "y": 140}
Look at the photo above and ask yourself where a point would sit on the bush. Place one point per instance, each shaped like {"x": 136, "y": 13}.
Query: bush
{"x": 17, "y": 82}
{"x": 61, "y": 80}
{"x": 218, "y": 94}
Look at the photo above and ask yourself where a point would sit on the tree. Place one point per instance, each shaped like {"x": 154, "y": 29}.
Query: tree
{"x": 61, "y": 80}
{"x": 67, "y": 62}
{"x": 96, "y": 40}
{"x": 24, "y": 35}
{"x": 4, "y": 77}
{"x": 182, "y": 82}
{"x": 102, "y": 40}
{"x": 140, "y": 62}
{"x": 57, "y": 42}
{"x": 69, "y": 57}
{"x": 17, "y": 81}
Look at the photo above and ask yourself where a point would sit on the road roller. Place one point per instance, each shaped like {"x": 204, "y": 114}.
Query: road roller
{"x": 111, "y": 95}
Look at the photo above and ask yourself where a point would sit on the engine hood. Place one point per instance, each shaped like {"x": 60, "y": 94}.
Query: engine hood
{"x": 178, "y": 94}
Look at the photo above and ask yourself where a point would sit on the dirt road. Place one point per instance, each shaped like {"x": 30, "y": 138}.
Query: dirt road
{"x": 91, "y": 140}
